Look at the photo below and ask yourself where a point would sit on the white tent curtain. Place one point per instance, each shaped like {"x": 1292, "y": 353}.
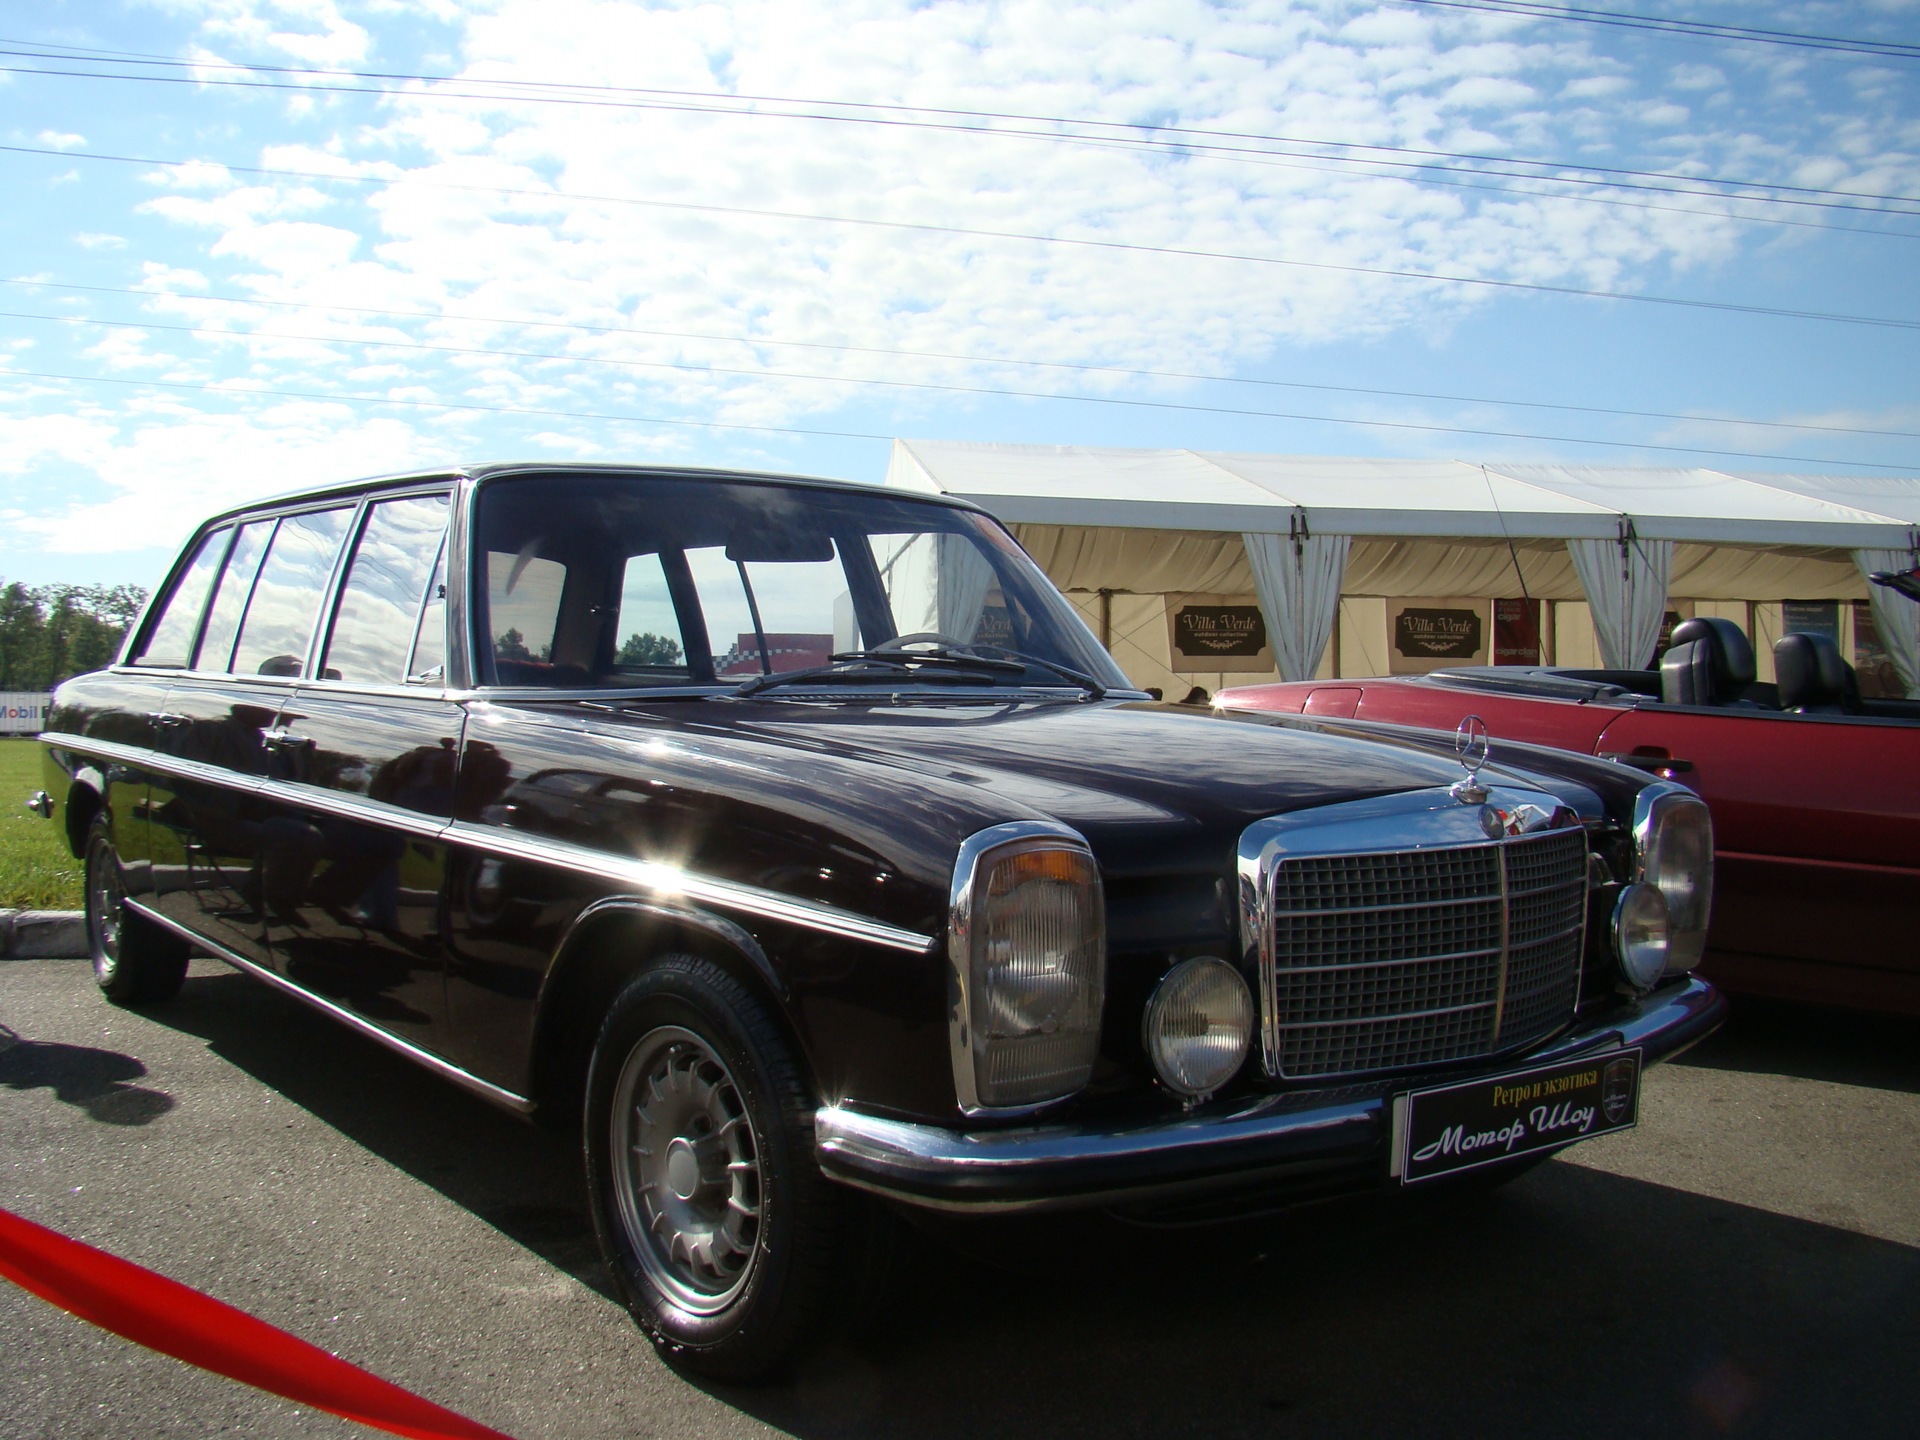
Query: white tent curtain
{"x": 1626, "y": 584}
{"x": 965, "y": 578}
{"x": 1297, "y": 578}
{"x": 1894, "y": 616}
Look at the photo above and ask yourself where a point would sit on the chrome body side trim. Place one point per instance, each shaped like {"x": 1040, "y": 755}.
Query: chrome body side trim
{"x": 973, "y": 853}
{"x": 1043, "y": 1166}
{"x": 446, "y": 1069}
{"x": 668, "y": 882}
{"x": 662, "y": 881}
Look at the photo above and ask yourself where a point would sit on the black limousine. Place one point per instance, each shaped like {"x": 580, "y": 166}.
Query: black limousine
{"x": 795, "y": 839}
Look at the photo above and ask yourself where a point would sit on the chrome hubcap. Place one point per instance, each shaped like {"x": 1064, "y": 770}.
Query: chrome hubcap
{"x": 686, "y": 1169}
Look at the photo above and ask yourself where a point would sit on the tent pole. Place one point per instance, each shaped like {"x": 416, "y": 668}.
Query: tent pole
{"x": 1106, "y": 619}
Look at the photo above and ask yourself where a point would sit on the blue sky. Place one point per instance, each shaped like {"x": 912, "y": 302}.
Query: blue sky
{"x": 255, "y": 244}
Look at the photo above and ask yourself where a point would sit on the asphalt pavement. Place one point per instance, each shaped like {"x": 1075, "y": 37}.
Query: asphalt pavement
{"x": 1745, "y": 1263}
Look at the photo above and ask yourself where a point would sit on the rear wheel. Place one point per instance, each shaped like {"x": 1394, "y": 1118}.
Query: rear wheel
{"x": 135, "y": 962}
{"x": 716, "y": 1223}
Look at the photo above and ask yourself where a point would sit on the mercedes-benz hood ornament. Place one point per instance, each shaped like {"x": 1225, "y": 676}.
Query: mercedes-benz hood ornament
{"x": 1471, "y": 743}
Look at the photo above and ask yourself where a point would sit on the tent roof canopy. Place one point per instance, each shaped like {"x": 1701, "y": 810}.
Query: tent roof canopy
{"x": 1225, "y": 491}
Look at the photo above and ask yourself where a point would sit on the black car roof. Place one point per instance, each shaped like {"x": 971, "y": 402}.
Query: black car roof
{"x": 492, "y": 469}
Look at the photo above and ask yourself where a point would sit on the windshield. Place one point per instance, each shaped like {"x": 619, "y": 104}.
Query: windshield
{"x": 635, "y": 580}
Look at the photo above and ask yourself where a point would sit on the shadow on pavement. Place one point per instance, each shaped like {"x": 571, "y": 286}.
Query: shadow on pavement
{"x": 94, "y": 1080}
{"x": 522, "y": 1181}
{"x": 1574, "y": 1303}
{"x": 1774, "y": 1037}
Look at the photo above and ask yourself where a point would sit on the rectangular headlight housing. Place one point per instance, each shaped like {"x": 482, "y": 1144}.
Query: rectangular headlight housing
{"x": 1027, "y": 946}
{"x": 1673, "y": 851}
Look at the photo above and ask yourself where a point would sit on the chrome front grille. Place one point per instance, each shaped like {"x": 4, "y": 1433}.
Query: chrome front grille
{"x": 1388, "y": 960}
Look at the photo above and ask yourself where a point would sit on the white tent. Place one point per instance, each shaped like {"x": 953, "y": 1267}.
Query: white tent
{"x": 1301, "y": 532}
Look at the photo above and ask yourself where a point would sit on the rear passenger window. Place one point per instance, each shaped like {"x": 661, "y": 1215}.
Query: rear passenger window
{"x": 230, "y": 596}
{"x": 429, "y": 661}
{"x": 285, "y": 606}
{"x": 170, "y": 639}
{"x": 380, "y": 602}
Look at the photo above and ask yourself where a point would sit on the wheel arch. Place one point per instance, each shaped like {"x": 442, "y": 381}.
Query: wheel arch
{"x": 83, "y": 802}
{"x": 609, "y": 943}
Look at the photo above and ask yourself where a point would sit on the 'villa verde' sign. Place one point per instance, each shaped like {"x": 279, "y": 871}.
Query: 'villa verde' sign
{"x": 1223, "y": 633}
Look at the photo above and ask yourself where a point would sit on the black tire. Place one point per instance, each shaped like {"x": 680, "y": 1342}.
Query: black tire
{"x": 721, "y": 1234}
{"x": 135, "y": 962}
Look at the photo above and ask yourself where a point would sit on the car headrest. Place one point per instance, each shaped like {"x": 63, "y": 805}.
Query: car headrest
{"x": 1812, "y": 674}
{"x": 1728, "y": 654}
{"x": 1686, "y": 674}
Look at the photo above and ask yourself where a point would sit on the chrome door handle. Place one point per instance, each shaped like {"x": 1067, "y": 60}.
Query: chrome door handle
{"x": 281, "y": 738}
{"x": 166, "y": 720}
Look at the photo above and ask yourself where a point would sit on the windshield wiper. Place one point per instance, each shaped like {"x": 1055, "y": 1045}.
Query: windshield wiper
{"x": 1019, "y": 657}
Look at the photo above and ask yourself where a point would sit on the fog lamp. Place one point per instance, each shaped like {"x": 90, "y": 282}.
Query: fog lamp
{"x": 1198, "y": 1025}
{"x": 1640, "y": 934}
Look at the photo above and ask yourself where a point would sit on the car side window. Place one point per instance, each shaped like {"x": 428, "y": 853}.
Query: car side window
{"x": 429, "y": 663}
{"x": 230, "y": 596}
{"x": 169, "y": 641}
{"x": 650, "y": 641}
{"x": 386, "y": 582}
{"x": 285, "y": 607}
{"x": 523, "y": 607}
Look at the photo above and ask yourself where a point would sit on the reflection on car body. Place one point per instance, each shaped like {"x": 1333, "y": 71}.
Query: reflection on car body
{"x": 797, "y": 842}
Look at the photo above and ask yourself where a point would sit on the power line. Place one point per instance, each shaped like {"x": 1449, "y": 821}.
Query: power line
{"x": 1114, "y": 134}
{"x": 919, "y": 227}
{"x": 211, "y": 333}
{"x": 346, "y": 398}
{"x": 243, "y": 391}
{"x": 1884, "y": 49}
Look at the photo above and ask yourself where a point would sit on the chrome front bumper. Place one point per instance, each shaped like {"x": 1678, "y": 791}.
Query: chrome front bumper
{"x": 1232, "y": 1144}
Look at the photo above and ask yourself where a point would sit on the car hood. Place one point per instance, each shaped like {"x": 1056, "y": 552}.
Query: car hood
{"x": 1115, "y": 771}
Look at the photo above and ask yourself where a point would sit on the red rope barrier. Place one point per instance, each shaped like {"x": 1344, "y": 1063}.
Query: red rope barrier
{"x": 164, "y": 1315}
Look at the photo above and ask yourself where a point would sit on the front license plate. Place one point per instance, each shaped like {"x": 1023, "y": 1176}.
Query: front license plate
{"x": 1445, "y": 1129}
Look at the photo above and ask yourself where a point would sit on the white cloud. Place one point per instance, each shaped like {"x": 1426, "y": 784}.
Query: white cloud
{"x": 92, "y": 240}
{"x": 61, "y": 140}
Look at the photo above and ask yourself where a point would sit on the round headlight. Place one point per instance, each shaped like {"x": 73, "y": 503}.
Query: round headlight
{"x": 1640, "y": 934}
{"x": 1198, "y": 1025}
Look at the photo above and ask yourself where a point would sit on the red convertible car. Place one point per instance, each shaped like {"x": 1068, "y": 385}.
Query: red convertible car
{"x": 1814, "y": 792}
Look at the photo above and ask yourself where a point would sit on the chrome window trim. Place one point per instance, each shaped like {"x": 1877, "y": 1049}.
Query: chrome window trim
{"x": 485, "y": 1089}
{"x": 647, "y": 876}
{"x": 974, "y": 851}
{"x": 1428, "y": 819}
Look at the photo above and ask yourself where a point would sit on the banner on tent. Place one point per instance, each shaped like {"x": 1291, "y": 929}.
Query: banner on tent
{"x": 1425, "y": 633}
{"x": 1516, "y": 632}
{"x": 1222, "y": 633}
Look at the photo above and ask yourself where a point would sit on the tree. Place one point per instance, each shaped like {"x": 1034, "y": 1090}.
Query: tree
{"x": 646, "y": 648}
{"x": 50, "y": 633}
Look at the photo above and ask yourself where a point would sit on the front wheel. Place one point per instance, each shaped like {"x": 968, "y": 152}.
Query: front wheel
{"x": 135, "y": 962}
{"x": 720, "y": 1232}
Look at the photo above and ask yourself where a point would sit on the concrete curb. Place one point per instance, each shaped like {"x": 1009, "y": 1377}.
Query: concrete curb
{"x": 43, "y": 935}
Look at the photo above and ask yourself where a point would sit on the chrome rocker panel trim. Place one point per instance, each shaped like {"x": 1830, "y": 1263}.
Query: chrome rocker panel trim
{"x": 485, "y": 1089}
{"x": 1226, "y": 1145}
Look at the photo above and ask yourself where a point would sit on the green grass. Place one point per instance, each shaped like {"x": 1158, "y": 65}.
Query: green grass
{"x": 36, "y": 872}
